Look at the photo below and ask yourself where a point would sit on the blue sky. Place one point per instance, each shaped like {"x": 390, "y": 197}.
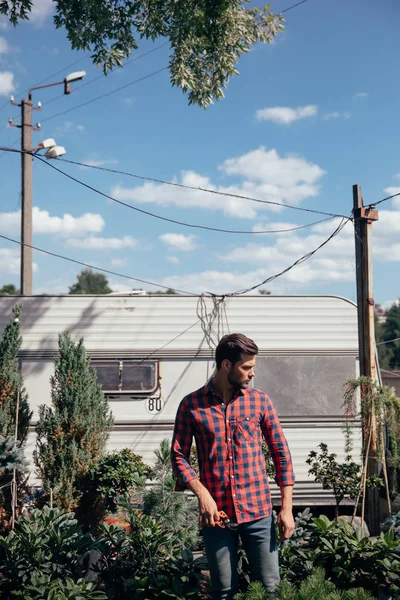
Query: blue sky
{"x": 308, "y": 117}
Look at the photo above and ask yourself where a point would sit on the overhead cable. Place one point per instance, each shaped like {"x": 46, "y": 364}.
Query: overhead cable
{"x": 373, "y": 204}
{"x": 293, "y": 6}
{"x": 161, "y": 218}
{"x": 297, "y": 262}
{"x": 78, "y": 262}
{"x": 388, "y": 341}
{"x": 102, "y": 76}
{"x": 114, "y": 91}
{"x": 201, "y": 189}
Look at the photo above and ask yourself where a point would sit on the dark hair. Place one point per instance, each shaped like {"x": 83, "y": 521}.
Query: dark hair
{"x": 232, "y": 346}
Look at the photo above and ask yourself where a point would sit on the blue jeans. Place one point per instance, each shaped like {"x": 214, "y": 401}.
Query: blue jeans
{"x": 260, "y": 544}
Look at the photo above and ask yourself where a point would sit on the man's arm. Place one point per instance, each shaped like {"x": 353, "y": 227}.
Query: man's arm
{"x": 285, "y": 517}
{"x": 180, "y": 452}
{"x": 282, "y": 459}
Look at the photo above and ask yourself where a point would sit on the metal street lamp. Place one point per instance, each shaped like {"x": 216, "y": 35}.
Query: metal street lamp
{"x": 26, "y": 172}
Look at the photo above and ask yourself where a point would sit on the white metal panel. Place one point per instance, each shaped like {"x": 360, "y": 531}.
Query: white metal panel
{"x": 124, "y": 324}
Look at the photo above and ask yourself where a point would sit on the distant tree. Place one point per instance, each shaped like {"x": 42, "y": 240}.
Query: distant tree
{"x": 391, "y": 331}
{"x": 90, "y": 283}
{"x": 264, "y": 292}
{"x": 9, "y": 290}
{"x": 167, "y": 292}
{"x": 73, "y": 432}
{"x": 11, "y": 383}
{"x": 206, "y": 38}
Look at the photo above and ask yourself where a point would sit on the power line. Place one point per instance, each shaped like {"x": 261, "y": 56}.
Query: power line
{"x": 78, "y": 262}
{"x": 174, "y": 221}
{"x": 10, "y": 148}
{"x": 293, "y": 6}
{"x": 64, "y": 112}
{"x": 102, "y": 76}
{"x": 297, "y": 262}
{"x": 201, "y": 189}
{"x": 373, "y": 204}
{"x": 388, "y": 341}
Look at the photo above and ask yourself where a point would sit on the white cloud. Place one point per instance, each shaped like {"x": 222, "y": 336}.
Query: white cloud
{"x": 41, "y": 9}
{"x": 286, "y": 115}
{"x": 392, "y": 191}
{"x": 361, "y": 95}
{"x": 100, "y": 243}
{"x": 118, "y": 262}
{"x": 44, "y": 223}
{"x": 6, "y": 83}
{"x": 69, "y": 127}
{"x": 265, "y": 175}
{"x": 173, "y": 259}
{"x": 3, "y": 46}
{"x": 336, "y": 115}
{"x": 179, "y": 241}
{"x": 10, "y": 262}
{"x": 3, "y": 22}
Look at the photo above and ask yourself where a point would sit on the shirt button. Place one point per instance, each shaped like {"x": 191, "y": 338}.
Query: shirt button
{"x": 247, "y": 418}
{"x": 230, "y": 458}
{"x": 229, "y": 440}
{"x": 233, "y": 495}
{"x": 232, "y": 477}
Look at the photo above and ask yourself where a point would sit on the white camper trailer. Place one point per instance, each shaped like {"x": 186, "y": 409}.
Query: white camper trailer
{"x": 150, "y": 351}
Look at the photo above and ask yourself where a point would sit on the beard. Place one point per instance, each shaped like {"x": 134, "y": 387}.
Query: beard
{"x": 238, "y": 383}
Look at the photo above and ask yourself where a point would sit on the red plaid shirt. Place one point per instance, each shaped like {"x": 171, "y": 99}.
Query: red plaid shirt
{"x": 228, "y": 440}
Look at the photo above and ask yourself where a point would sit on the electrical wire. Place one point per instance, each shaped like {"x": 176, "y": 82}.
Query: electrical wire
{"x": 78, "y": 262}
{"x": 167, "y": 219}
{"x": 201, "y": 189}
{"x": 122, "y": 87}
{"x": 373, "y": 204}
{"x": 9, "y": 149}
{"x": 102, "y": 76}
{"x": 293, "y": 6}
{"x": 388, "y": 341}
{"x": 297, "y": 262}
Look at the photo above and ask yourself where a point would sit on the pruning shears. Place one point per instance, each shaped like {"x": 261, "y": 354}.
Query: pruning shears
{"x": 224, "y": 521}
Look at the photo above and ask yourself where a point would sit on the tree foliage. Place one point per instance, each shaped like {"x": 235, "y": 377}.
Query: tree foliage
{"x": 391, "y": 331}
{"x": 9, "y": 289}
{"x": 206, "y": 37}
{"x": 90, "y": 283}
{"x": 72, "y": 433}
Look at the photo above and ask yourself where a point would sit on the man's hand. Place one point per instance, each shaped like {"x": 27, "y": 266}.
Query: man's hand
{"x": 207, "y": 507}
{"x": 285, "y": 524}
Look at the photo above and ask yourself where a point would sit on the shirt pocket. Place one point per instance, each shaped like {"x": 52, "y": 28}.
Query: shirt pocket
{"x": 247, "y": 429}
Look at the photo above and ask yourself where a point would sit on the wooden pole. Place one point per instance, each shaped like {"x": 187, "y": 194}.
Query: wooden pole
{"x": 363, "y": 219}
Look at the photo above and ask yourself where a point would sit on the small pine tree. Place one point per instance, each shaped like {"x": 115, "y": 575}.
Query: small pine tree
{"x": 72, "y": 434}
{"x": 11, "y": 382}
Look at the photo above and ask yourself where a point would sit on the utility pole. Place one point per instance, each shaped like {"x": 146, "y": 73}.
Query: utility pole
{"x": 26, "y": 197}
{"x": 27, "y": 151}
{"x": 363, "y": 219}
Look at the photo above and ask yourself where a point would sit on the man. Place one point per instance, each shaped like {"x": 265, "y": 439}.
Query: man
{"x": 227, "y": 420}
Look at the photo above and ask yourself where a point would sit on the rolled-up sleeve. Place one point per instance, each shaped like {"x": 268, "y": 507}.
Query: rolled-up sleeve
{"x": 278, "y": 446}
{"x": 181, "y": 444}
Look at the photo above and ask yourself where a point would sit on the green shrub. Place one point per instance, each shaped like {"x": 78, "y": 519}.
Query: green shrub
{"x": 106, "y": 482}
{"x": 350, "y": 558}
{"x": 43, "y": 588}
{"x": 315, "y": 587}
{"x": 45, "y": 544}
{"x": 146, "y": 561}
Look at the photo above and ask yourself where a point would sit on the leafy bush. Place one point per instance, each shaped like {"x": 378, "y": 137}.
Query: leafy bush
{"x": 46, "y": 543}
{"x": 43, "y": 588}
{"x": 175, "y": 511}
{"x": 351, "y": 559}
{"x": 146, "y": 561}
{"x": 106, "y": 482}
{"x": 392, "y": 522}
{"x": 315, "y": 587}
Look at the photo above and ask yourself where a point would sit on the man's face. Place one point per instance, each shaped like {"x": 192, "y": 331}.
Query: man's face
{"x": 241, "y": 373}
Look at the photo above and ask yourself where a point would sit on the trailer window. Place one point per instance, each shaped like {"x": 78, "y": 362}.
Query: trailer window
{"x": 127, "y": 377}
{"x": 305, "y": 385}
